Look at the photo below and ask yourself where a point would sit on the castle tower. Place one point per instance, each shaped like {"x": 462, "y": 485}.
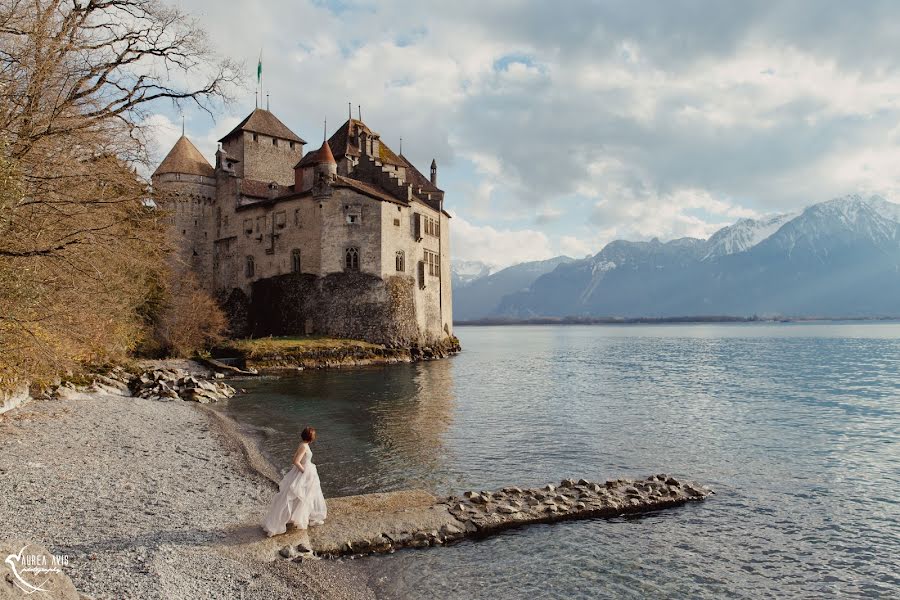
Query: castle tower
{"x": 184, "y": 185}
{"x": 263, "y": 148}
{"x": 324, "y": 171}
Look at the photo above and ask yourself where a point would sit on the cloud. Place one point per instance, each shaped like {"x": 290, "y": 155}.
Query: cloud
{"x": 497, "y": 247}
{"x": 650, "y": 119}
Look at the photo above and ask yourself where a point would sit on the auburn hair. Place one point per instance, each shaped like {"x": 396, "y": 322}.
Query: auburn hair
{"x": 308, "y": 435}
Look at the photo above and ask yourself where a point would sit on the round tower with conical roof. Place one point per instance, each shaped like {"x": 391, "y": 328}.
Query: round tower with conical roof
{"x": 184, "y": 185}
{"x": 324, "y": 171}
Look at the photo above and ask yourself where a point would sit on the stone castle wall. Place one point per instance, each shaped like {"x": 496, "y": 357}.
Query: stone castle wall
{"x": 264, "y": 158}
{"x": 344, "y": 305}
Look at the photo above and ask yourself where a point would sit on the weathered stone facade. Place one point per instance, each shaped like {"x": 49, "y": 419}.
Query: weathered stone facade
{"x": 349, "y": 240}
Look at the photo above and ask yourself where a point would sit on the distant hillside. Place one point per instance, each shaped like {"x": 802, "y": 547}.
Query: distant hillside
{"x": 836, "y": 258}
{"x": 478, "y": 296}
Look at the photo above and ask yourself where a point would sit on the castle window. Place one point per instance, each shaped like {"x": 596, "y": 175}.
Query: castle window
{"x": 433, "y": 263}
{"x": 255, "y": 137}
{"x": 274, "y": 141}
{"x": 432, "y": 227}
{"x": 397, "y": 222}
{"x": 297, "y": 217}
{"x": 400, "y": 259}
{"x": 353, "y": 215}
{"x": 248, "y": 226}
{"x": 280, "y": 219}
{"x": 351, "y": 259}
{"x": 251, "y": 267}
{"x": 295, "y": 260}
{"x": 292, "y": 145}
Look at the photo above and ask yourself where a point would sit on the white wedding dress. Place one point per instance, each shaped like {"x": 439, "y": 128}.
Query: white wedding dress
{"x": 299, "y": 499}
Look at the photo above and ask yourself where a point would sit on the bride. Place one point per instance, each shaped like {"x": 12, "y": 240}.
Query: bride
{"x": 299, "y": 500}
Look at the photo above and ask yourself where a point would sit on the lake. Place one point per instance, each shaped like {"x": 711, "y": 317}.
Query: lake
{"x": 796, "y": 426}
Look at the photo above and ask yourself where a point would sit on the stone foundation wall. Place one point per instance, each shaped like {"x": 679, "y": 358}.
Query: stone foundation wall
{"x": 343, "y": 305}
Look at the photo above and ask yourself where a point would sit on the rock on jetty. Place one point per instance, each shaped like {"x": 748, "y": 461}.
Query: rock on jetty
{"x": 178, "y": 384}
{"x": 379, "y": 523}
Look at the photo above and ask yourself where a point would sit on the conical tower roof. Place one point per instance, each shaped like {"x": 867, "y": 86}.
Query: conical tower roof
{"x": 185, "y": 158}
{"x": 324, "y": 155}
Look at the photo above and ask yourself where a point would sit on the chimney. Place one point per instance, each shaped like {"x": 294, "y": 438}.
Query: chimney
{"x": 433, "y": 172}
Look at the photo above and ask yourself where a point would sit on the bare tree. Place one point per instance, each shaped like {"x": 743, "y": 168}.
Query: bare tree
{"x": 79, "y": 249}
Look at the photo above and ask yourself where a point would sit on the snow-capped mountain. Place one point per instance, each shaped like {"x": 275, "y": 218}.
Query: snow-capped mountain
{"x": 464, "y": 272}
{"x": 479, "y": 296}
{"x": 744, "y": 234}
{"x": 836, "y": 258}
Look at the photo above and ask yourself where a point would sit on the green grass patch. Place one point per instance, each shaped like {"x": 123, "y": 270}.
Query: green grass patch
{"x": 268, "y": 346}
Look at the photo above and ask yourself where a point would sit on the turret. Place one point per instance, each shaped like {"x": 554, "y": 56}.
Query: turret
{"x": 184, "y": 185}
{"x": 433, "y": 172}
{"x": 325, "y": 171}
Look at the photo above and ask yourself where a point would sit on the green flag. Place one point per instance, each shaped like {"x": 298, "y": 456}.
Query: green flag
{"x": 259, "y": 69}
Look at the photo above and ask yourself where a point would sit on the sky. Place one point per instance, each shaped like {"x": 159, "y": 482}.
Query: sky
{"x": 558, "y": 127}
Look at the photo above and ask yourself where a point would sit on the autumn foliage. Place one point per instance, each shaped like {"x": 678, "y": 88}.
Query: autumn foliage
{"x": 84, "y": 275}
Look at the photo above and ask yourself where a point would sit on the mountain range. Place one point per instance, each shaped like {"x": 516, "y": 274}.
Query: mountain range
{"x": 839, "y": 258}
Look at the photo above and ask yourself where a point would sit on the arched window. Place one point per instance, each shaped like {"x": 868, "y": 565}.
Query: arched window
{"x": 295, "y": 260}
{"x": 401, "y": 261}
{"x": 351, "y": 259}
{"x": 251, "y": 268}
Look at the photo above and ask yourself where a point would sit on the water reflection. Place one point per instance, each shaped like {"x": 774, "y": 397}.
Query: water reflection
{"x": 380, "y": 428}
{"x": 797, "y": 427}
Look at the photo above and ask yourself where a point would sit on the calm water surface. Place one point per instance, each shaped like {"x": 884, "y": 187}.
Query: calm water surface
{"x": 796, "y": 427}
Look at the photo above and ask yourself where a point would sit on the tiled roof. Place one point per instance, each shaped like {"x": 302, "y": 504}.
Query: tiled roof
{"x": 264, "y": 122}
{"x": 415, "y": 177}
{"x": 343, "y": 143}
{"x": 185, "y": 158}
{"x": 367, "y": 189}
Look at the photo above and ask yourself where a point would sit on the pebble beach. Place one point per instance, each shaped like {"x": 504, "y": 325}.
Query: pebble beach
{"x": 147, "y": 499}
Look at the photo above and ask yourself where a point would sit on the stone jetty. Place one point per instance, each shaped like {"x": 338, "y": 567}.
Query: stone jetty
{"x": 381, "y": 523}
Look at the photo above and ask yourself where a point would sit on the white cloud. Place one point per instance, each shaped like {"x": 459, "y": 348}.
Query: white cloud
{"x": 668, "y": 119}
{"x": 498, "y": 247}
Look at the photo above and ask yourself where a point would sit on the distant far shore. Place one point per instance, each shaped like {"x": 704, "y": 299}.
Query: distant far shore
{"x": 657, "y": 320}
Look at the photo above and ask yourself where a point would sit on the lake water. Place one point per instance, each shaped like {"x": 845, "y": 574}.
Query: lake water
{"x": 795, "y": 426}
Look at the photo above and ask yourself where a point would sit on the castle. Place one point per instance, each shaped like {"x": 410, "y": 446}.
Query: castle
{"x": 349, "y": 240}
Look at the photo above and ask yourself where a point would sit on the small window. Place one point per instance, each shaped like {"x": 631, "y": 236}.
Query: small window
{"x": 351, "y": 259}
{"x": 401, "y": 261}
{"x": 295, "y": 260}
{"x": 248, "y": 226}
{"x": 297, "y": 217}
{"x": 274, "y": 141}
{"x": 292, "y": 145}
{"x": 397, "y": 222}
{"x": 255, "y": 137}
{"x": 353, "y": 214}
{"x": 280, "y": 219}
{"x": 251, "y": 267}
